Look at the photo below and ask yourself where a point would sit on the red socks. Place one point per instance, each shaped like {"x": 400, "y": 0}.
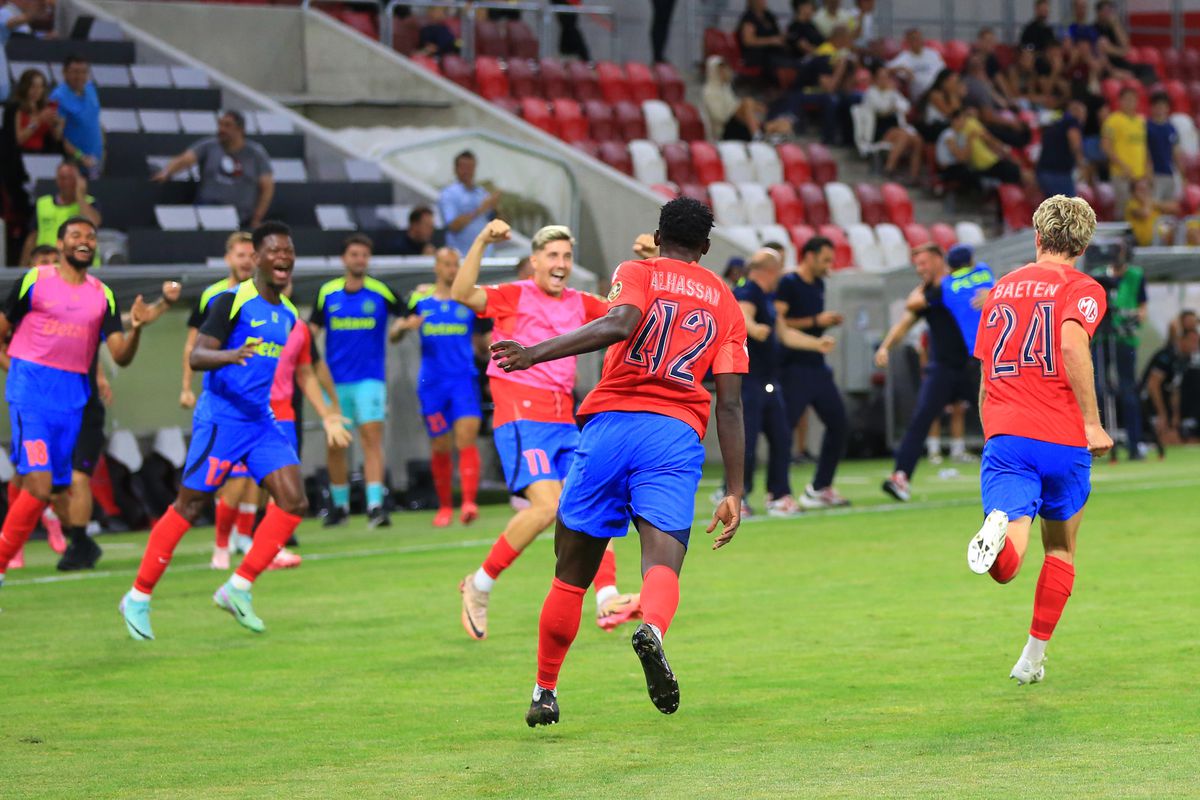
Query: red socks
{"x": 246, "y": 514}
{"x": 165, "y": 535}
{"x": 22, "y": 518}
{"x": 1053, "y": 588}
{"x": 501, "y": 558}
{"x": 556, "y": 630}
{"x": 1008, "y": 563}
{"x": 442, "y": 477}
{"x": 468, "y": 474}
{"x": 276, "y": 528}
{"x": 606, "y": 575}
{"x": 226, "y": 514}
{"x": 660, "y": 597}
{"x": 13, "y": 492}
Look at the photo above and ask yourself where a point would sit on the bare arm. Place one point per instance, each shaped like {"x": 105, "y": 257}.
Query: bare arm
{"x": 1077, "y": 360}
{"x": 1154, "y": 388}
{"x": 731, "y": 434}
{"x": 758, "y": 331}
{"x": 615, "y": 326}
{"x": 207, "y": 354}
{"x": 266, "y": 193}
{"x": 464, "y": 290}
{"x": 897, "y": 332}
{"x": 185, "y": 160}
{"x": 187, "y": 397}
{"x": 336, "y": 434}
{"x": 123, "y": 347}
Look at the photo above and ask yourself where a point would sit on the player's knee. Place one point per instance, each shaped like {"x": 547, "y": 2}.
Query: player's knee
{"x": 39, "y": 492}
{"x": 190, "y": 508}
{"x": 296, "y": 505}
{"x": 544, "y": 514}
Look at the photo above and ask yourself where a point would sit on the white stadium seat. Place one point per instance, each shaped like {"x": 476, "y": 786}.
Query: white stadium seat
{"x": 768, "y": 170}
{"x": 177, "y": 218}
{"x": 969, "y": 233}
{"x": 111, "y": 76}
{"x": 866, "y": 250}
{"x": 726, "y": 204}
{"x": 159, "y": 121}
{"x": 661, "y": 125}
{"x": 270, "y": 122}
{"x": 736, "y": 160}
{"x": 843, "y": 205}
{"x": 119, "y": 120}
{"x": 217, "y": 218}
{"x": 334, "y": 218}
{"x": 289, "y": 170}
{"x": 1189, "y": 139}
{"x": 892, "y": 245}
{"x": 744, "y": 235}
{"x": 189, "y": 78}
{"x": 648, "y": 163}
{"x": 198, "y": 123}
{"x": 777, "y": 234}
{"x": 756, "y": 205}
{"x": 150, "y": 76}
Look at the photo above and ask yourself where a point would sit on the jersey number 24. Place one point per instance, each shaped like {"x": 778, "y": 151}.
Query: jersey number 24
{"x": 1037, "y": 344}
{"x": 653, "y": 341}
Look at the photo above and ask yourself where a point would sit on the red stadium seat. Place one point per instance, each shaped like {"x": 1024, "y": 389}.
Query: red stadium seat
{"x": 428, "y": 62}
{"x": 630, "y": 122}
{"x": 917, "y": 235}
{"x": 587, "y": 146}
{"x": 537, "y": 113}
{"x": 1191, "y": 167}
{"x": 696, "y": 192}
{"x": 667, "y": 190}
{"x": 679, "y": 163}
{"x": 554, "y": 79}
{"x": 490, "y": 80}
{"x": 796, "y": 169}
{"x": 583, "y": 81}
{"x": 1111, "y": 89}
{"x": 670, "y": 84}
{"x": 523, "y": 80}
{"x": 569, "y": 120}
{"x": 956, "y": 54}
{"x": 719, "y": 43}
{"x": 889, "y": 48}
{"x": 816, "y": 208}
{"x": 614, "y": 86}
{"x": 1151, "y": 57}
{"x": 1190, "y": 198}
{"x": 616, "y": 155}
{"x": 707, "y": 163}
{"x": 1172, "y": 64}
{"x": 522, "y": 43}
{"x": 824, "y": 168}
{"x": 800, "y": 235}
{"x": 1191, "y": 65}
{"x": 1014, "y": 207}
{"x": 870, "y": 203}
{"x": 937, "y": 46}
{"x": 691, "y": 127}
{"x": 1106, "y": 204}
{"x": 601, "y": 121}
{"x": 509, "y": 104}
{"x": 1180, "y": 102}
{"x": 943, "y": 235}
{"x": 406, "y": 35}
{"x": 788, "y": 208}
{"x": 1193, "y": 93}
{"x": 1085, "y": 193}
{"x": 642, "y": 85}
{"x": 490, "y": 40}
{"x": 364, "y": 22}
{"x": 458, "y": 70}
{"x": 1005, "y": 55}
{"x": 843, "y": 256}
{"x": 897, "y": 203}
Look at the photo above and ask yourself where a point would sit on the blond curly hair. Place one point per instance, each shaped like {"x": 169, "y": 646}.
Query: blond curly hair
{"x": 1065, "y": 224}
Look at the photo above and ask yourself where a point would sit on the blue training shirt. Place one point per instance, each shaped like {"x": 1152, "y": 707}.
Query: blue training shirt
{"x": 356, "y": 328}
{"x": 237, "y": 393}
{"x": 446, "y": 349}
{"x": 957, "y": 290}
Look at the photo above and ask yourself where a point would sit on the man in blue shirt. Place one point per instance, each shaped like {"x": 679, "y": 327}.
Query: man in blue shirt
{"x": 354, "y": 312}
{"x": 1162, "y": 140}
{"x": 79, "y": 106}
{"x": 465, "y": 207}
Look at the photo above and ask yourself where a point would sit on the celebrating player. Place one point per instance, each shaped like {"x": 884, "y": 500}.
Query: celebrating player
{"x": 640, "y": 456}
{"x": 448, "y": 388}
{"x": 534, "y": 422}
{"x": 57, "y": 316}
{"x": 239, "y": 347}
{"x": 354, "y": 311}
{"x": 237, "y": 501}
{"x": 1040, "y": 419}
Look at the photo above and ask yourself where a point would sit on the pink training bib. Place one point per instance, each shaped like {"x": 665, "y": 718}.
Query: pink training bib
{"x": 62, "y": 327}
{"x": 536, "y": 317}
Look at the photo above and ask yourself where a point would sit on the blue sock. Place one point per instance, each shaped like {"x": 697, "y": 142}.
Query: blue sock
{"x": 374, "y": 495}
{"x": 340, "y": 493}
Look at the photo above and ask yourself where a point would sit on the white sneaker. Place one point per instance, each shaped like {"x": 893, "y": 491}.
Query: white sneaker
{"x": 963, "y": 458}
{"x": 986, "y": 545}
{"x": 935, "y": 456}
{"x": 897, "y": 486}
{"x": 1025, "y": 671}
{"x": 220, "y": 558}
{"x": 785, "y": 506}
{"x": 828, "y": 497}
{"x": 239, "y": 543}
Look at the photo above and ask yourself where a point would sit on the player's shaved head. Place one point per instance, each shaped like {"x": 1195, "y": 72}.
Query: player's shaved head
{"x": 1064, "y": 226}
{"x": 683, "y": 225}
{"x": 766, "y": 268}
{"x": 445, "y": 265}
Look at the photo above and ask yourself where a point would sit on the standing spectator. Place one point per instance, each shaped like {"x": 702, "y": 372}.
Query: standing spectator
{"x": 417, "y": 240}
{"x": 760, "y": 37}
{"x": 52, "y": 210}
{"x": 832, "y": 15}
{"x": 866, "y": 33}
{"x": 1123, "y": 139}
{"x": 660, "y": 28}
{"x": 1062, "y": 151}
{"x": 891, "y": 124}
{"x": 570, "y": 39}
{"x": 1160, "y": 387}
{"x": 917, "y": 64}
{"x": 1116, "y": 343}
{"x": 1037, "y": 33}
{"x": 233, "y": 170}
{"x": 13, "y": 16}
{"x": 435, "y": 37}
{"x": 1163, "y": 143}
{"x": 79, "y": 106}
{"x": 35, "y": 123}
{"x": 1080, "y": 30}
{"x": 465, "y": 207}
{"x": 803, "y": 37}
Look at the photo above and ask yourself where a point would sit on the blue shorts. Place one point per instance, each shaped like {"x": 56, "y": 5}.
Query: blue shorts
{"x": 288, "y": 428}
{"x": 445, "y": 402}
{"x": 1024, "y": 477}
{"x": 535, "y": 451}
{"x": 44, "y": 441}
{"x": 633, "y": 464}
{"x": 217, "y": 446}
{"x": 363, "y": 401}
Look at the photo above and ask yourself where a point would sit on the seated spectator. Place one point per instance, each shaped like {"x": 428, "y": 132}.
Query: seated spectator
{"x": 866, "y": 34}
{"x": 1062, "y": 151}
{"x": 985, "y": 45}
{"x": 939, "y": 104}
{"x": 1050, "y": 86}
{"x": 79, "y": 106}
{"x": 891, "y": 124}
{"x": 761, "y": 40}
{"x": 1037, "y": 33}
{"x": 803, "y": 37}
{"x": 35, "y": 123}
{"x": 1161, "y": 384}
{"x": 733, "y": 118}
{"x": 1181, "y": 324}
{"x": 827, "y": 81}
{"x": 1080, "y": 30}
{"x": 1021, "y": 83}
{"x": 992, "y": 107}
{"x": 417, "y": 240}
{"x": 832, "y": 15}
{"x": 14, "y": 16}
{"x": 1162, "y": 141}
{"x": 52, "y": 210}
{"x": 1123, "y": 139}
{"x": 1154, "y": 221}
{"x": 1112, "y": 44}
{"x": 952, "y": 153}
{"x": 917, "y": 65}
{"x": 988, "y": 157}
{"x": 234, "y": 171}
{"x": 435, "y": 37}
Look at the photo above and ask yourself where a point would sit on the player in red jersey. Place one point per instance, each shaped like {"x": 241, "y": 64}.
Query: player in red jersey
{"x": 1041, "y": 424}
{"x": 640, "y": 455}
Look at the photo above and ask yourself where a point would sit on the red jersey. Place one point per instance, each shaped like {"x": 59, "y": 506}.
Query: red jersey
{"x": 691, "y": 323}
{"x": 299, "y": 349}
{"x": 1028, "y": 393}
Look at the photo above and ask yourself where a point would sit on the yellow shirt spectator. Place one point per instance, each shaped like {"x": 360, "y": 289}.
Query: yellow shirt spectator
{"x": 1128, "y": 136}
{"x": 1143, "y": 228}
{"x": 981, "y": 157}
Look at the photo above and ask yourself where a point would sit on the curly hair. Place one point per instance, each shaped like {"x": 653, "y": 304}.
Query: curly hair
{"x": 685, "y": 222}
{"x": 1065, "y": 224}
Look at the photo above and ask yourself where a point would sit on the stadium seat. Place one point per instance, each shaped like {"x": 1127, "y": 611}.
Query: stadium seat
{"x": 1189, "y": 198}
{"x": 707, "y": 163}
{"x": 150, "y": 76}
{"x": 736, "y": 159}
{"x": 189, "y": 78}
{"x": 1153, "y": 58}
{"x": 642, "y": 86}
{"x": 1191, "y": 65}
{"x": 691, "y": 126}
{"x": 778, "y": 235}
{"x": 535, "y": 111}
{"x": 630, "y": 122}
{"x": 824, "y": 168}
{"x": 679, "y": 163}
{"x": 892, "y": 245}
{"x": 756, "y": 205}
{"x": 870, "y": 203}
{"x": 456, "y": 69}
{"x": 490, "y": 80}
{"x": 158, "y": 121}
{"x": 1014, "y": 207}
{"x": 426, "y": 62}
{"x": 1180, "y": 102}
{"x": 154, "y": 164}
{"x": 601, "y": 121}
{"x": 124, "y": 120}
{"x": 331, "y": 218}
{"x": 588, "y": 146}
{"x": 522, "y": 42}
{"x": 271, "y": 123}
{"x": 916, "y": 234}
{"x": 107, "y": 76}
{"x": 614, "y": 86}
{"x": 569, "y": 120}
{"x": 796, "y": 169}
{"x": 800, "y": 234}
{"x": 616, "y": 155}
{"x": 897, "y": 204}
{"x": 843, "y": 256}
{"x": 670, "y": 84}
{"x": 956, "y": 54}
{"x": 1190, "y": 167}
{"x": 788, "y": 208}
{"x": 490, "y": 41}
{"x": 553, "y": 78}
{"x": 648, "y": 164}
{"x": 696, "y": 192}
{"x": 198, "y": 123}
{"x": 176, "y": 218}
{"x": 816, "y": 210}
{"x": 583, "y": 81}
{"x": 1110, "y": 88}
{"x": 943, "y": 236}
{"x": 969, "y": 233}
{"x": 767, "y": 167}
{"x": 726, "y": 204}
{"x": 668, "y": 190}
{"x": 863, "y": 121}
{"x": 866, "y": 252}
{"x": 1172, "y": 64}
{"x": 1189, "y": 138}
{"x": 523, "y": 79}
{"x": 1106, "y": 203}
{"x": 745, "y": 236}
{"x": 720, "y": 43}
{"x": 660, "y": 122}
{"x": 289, "y": 170}
{"x": 843, "y": 207}
{"x": 362, "y": 170}
{"x": 406, "y": 35}
{"x": 1084, "y": 192}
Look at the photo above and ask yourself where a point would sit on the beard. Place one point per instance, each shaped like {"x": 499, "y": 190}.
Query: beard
{"x": 71, "y": 259}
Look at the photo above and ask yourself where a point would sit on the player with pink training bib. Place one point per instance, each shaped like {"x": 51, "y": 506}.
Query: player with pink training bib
{"x": 534, "y": 418}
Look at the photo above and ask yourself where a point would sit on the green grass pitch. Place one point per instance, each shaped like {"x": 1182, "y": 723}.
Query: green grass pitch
{"x": 835, "y": 655}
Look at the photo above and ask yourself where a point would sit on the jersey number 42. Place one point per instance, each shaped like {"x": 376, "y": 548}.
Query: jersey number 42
{"x": 669, "y": 346}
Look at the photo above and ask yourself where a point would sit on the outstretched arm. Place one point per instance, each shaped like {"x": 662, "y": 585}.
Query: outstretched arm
{"x": 615, "y": 326}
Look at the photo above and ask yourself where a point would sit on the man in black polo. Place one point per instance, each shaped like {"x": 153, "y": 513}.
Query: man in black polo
{"x": 1160, "y": 388}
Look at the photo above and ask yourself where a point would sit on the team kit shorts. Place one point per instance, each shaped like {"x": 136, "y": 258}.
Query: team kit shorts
{"x": 44, "y": 441}
{"x": 535, "y": 451}
{"x": 1027, "y": 477}
{"x": 217, "y": 446}
{"x": 445, "y": 402}
{"x": 363, "y": 402}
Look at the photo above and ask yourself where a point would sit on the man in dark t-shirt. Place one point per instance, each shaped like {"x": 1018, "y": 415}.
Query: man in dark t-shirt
{"x": 1161, "y": 387}
{"x": 759, "y": 36}
{"x": 1037, "y": 33}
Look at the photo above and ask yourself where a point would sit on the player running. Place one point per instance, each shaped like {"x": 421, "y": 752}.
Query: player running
{"x": 448, "y": 388}
{"x": 1040, "y": 418}
{"x": 239, "y": 347}
{"x": 57, "y": 316}
{"x": 534, "y": 422}
{"x": 354, "y": 311}
{"x": 237, "y": 502}
{"x": 641, "y": 456}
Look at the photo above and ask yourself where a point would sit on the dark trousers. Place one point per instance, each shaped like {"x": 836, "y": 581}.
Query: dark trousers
{"x": 1124, "y": 358}
{"x": 940, "y": 386}
{"x": 570, "y": 39}
{"x": 764, "y": 413}
{"x": 813, "y": 386}
{"x": 660, "y": 27}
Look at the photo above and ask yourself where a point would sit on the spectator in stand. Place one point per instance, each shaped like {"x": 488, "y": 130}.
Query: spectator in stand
{"x": 1062, "y": 151}
{"x": 1185, "y": 322}
{"x": 952, "y": 154}
{"x": 939, "y": 104}
{"x": 1113, "y": 44}
{"x": 1080, "y": 30}
{"x": 417, "y": 240}
{"x": 1021, "y": 82}
{"x": 1123, "y": 139}
{"x": 570, "y": 38}
{"x": 1038, "y": 34}
{"x": 234, "y": 171}
{"x": 827, "y": 80}
{"x": 1050, "y": 86}
{"x": 1162, "y": 141}
{"x": 733, "y": 118}
{"x": 988, "y": 157}
{"x": 79, "y": 106}
{"x": 891, "y": 124}
{"x": 760, "y": 37}
{"x": 14, "y": 16}
{"x": 52, "y": 210}
{"x": 917, "y": 65}
{"x": 660, "y": 29}
{"x": 866, "y": 34}
{"x": 465, "y": 207}
{"x": 35, "y": 123}
{"x": 832, "y": 15}
{"x": 436, "y": 38}
{"x": 1152, "y": 221}
{"x": 803, "y": 37}
{"x": 992, "y": 107}
{"x": 985, "y": 45}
